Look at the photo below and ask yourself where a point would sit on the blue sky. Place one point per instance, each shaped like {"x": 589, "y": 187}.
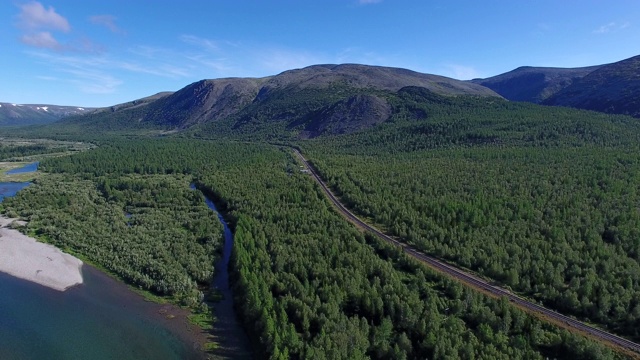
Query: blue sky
{"x": 101, "y": 53}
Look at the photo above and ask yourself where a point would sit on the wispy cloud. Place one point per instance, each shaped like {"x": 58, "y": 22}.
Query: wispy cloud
{"x": 34, "y": 16}
{"x": 461, "y": 72}
{"x": 205, "y": 44}
{"x": 108, "y": 21}
{"x": 90, "y": 74}
{"x": 219, "y": 65}
{"x": 275, "y": 60}
{"x": 611, "y": 27}
{"x": 94, "y": 81}
{"x": 161, "y": 70}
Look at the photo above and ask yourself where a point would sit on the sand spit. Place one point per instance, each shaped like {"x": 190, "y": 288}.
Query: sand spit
{"x": 25, "y": 258}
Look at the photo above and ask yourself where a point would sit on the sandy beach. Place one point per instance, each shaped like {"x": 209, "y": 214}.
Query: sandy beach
{"x": 25, "y": 258}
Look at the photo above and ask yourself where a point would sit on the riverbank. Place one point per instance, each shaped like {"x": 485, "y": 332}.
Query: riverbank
{"x": 26, "y": 258}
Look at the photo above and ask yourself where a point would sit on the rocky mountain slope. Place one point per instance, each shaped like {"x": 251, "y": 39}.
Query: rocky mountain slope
{"x": 305, "y": 102}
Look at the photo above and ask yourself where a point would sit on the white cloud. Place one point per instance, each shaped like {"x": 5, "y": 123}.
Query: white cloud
{"x": 108, "y": 21}
{"x": 611, "y": 27}
{"x": 38, "y": 22}
{"x": 42, "y": 39}
{"x": 34, "y": 16}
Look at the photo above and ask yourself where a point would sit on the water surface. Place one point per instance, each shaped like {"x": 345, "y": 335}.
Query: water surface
{"x": 8, "y": 189}
{"x": 25, "y": 169}
{"x": 100, "y": 319}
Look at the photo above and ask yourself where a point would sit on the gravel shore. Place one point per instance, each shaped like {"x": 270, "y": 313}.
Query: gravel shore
{"x": 25, "y": 258}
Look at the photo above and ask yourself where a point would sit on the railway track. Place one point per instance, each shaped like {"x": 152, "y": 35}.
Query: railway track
{"x": 466, "y": 277}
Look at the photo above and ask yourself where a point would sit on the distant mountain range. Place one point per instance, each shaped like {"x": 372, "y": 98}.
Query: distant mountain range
{"x": 533, "y": 84}
{"x": 610, "y": 88}
{"x": 613, "y": 88}
{"x": 32, "y": 114}
{"x": 335, "y": 99}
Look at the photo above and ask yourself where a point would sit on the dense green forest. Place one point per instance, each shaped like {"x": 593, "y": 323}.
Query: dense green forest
{"x": 543, "y": 200}
{"x": 307, "y": 284}
{"x": 423, "y": 120}
{"x": 151, "y": 230}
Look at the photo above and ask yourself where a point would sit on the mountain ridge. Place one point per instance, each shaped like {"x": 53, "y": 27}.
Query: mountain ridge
{"x": 309, "y": 101}
{"x": 534, "y": 84}
{"x": 610, "y": 88}
{"x": 12, "y": 114}
{"x": 344, "y": 98}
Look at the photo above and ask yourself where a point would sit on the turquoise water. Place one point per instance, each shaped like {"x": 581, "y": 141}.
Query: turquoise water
{"x": 100, "y": 319}
{"x": 25, "y": 169}
{"x": 93, "y": 321}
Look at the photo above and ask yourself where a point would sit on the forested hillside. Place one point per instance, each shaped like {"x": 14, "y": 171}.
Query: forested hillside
{"x": 543, "y": 200}
{"x": 308, "y": 284}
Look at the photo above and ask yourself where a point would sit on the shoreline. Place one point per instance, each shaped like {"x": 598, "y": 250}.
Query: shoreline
{"x": 24, "y": 257}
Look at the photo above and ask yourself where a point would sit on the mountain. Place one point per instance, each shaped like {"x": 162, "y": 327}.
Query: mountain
{"x": 32, "y": 114}
{"x": 534, "y": 84}
{"x": 303, "y": 102}
{"x": 612, "y": 88}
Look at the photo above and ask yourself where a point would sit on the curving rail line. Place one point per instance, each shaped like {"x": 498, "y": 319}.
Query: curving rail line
{"x": 466, "y": 277}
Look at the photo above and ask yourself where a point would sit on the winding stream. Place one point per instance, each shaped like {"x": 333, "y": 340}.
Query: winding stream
{"x": 228, "y": 333}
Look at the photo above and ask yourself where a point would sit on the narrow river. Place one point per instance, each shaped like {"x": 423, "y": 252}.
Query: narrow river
{"x": 228, "y": 333}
